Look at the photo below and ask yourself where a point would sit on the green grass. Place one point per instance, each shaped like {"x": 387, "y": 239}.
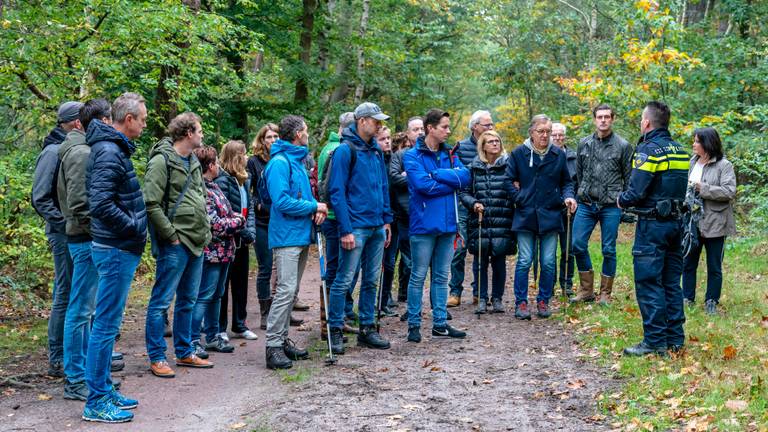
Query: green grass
{"x": 726, "y": 357}
{"x": 22, "y": 338}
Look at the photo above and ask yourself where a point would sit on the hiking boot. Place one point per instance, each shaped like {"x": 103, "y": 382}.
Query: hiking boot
{"x": 337, "y": 341}
{"x": 447, "y": 332}
{"x": 370, "y": 338}
{"x": 710, "y": 307}
{"x": 56, "y": 370}
{"x": 404, "y": 316}
{"x": 194, "y": 361}
{"x": 247, "y": 334}
{"x": 105, "y": 411}
{"x": 643, "y": 349}
{"x": 453, "y": 301}
{"x": 586, "y": 287}
{"x": 293, "y": 352}
{"x": 387, "y": 312}
{"x": 542, "y": 309}
{"x": 498, "y": 306}
{"x": 295, "y": 322}
{"x": 77, "y": 391}
{"x": 482, "y": 307}
{"x": 199, "y": 350}
{"x": 349, "y": 329}
{"x": 218, "y": 344}
{"x": 414, "y": 334}
{"x": 264, "y": 306}
{"x": 299, "y": 306}
{"x": 567, "y": 290}
{"x": 117, "y": 355}
{"x": 162, "y": 369}
{"x": 121, "y": 401}
{"x": 116, "y": 366}
{"x": 276, "y": 358}
{"x": 522, "y": 312}
{"x": 606, "y": 287}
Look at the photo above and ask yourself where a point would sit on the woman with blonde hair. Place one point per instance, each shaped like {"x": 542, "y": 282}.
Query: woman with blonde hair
{"x": 487, "y": 195}
{"x": 234, "y": 182}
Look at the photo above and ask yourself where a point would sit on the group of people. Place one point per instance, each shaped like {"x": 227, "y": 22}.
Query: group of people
{"x": 372, "y": 196}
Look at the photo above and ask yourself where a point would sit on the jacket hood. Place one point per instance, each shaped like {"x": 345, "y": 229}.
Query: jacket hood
{"x": 529, "y": 144}
{"x": 334, "y": 137}
{"x": 350, "y": 134}
{"x": 165, "y": 145}
{"x": 500, "y": 161}
{"x": 421, "y": 145}
{"x": 56, "y": 136}
{"x": 75, "y": 137}
{"x": 99, "y": 131}
{"x": 288, "y": 150}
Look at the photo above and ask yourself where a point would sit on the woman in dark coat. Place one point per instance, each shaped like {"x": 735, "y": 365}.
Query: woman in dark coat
{"x": 487, "y": 195}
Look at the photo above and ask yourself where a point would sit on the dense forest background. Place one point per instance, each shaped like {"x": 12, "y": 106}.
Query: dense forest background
{"x": 242, "y": 63}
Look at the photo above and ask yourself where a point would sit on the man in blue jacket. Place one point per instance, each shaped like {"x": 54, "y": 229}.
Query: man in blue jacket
{"x": 434, "y": 178}
{"x": 359, "y": 193}
{"x": 291, "y": 215}
{"x": 119, "y": 233}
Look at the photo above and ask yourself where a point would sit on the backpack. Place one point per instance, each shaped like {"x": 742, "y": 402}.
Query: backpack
{"x": 261, "y": 192}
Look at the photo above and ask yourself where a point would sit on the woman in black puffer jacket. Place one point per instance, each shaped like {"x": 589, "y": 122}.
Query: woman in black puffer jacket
{"x": 487, "y": 195}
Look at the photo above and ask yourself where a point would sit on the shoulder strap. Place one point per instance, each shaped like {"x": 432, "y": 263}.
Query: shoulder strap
{"x": 183, "y": 191}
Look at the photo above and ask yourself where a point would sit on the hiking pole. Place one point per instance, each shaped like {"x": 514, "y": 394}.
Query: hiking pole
{"x": 378, "y": 299}
{"x": 567, "y": 243}
{"x": 330, "y": 359}
{"x": 479, "y": 260}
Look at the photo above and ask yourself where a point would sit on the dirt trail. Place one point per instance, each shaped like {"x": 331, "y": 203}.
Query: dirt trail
{"x": 507, "y": 375}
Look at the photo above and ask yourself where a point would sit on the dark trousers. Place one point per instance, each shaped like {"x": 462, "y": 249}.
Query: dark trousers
{"x": 264, "y": 259}
{"x": 658, "y": 262}
{"x": 404, "y": 270}
{"x": 715, "y": 249}
{"x": 390, "y": 258}
{"x": 566, "y": 256}
{"x": 237, "y": 281}
{"x": 330, "y": 230}
{"x": 499, "y": 269}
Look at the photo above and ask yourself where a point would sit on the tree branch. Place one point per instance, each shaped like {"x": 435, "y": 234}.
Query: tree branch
{"x": 583, "y": 14}
{"x": 32, "y": 87}
{"x": 92, "y": 31}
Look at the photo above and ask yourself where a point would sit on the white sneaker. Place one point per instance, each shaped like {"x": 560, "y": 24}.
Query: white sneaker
{"x": 224, "y": 336}
{"x": 246, "y": 335}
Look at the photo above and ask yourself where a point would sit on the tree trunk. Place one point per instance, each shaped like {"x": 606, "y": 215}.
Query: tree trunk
{"x": 301, "y": 93}
{"x": 361, "y": 52}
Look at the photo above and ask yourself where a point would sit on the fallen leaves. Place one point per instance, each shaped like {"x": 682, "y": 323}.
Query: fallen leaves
{"x": 428, "y": 363}
{"x": 729, "y": 353}
{"x": 764, "y": 322}
{"x": 237, "y": 426}
{"x": 44, "y": 397}
{"x": 576, "y": 384}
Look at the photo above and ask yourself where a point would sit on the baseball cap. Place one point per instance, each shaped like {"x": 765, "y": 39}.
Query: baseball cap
{"x": 369, "y": 109}
{"x": 69, "y": 111}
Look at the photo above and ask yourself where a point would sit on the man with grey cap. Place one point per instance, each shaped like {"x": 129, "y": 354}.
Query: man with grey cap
{"x": 359, "y": 195}
{"x": 46, "y": 203}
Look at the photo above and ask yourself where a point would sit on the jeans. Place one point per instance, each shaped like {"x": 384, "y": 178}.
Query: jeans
{"x": 587, "y": 216}
{"x": 715, "y": 249}
{"x": 404, "y": 244}
{"x": 366, "y": 256}
{"x": 459, "y": 256}
{"x": 526, "y": 241}
{"x": 115, "y": 268}
{"x": 82, "y": 301}
{"x": 178, "y": 271}
{"x": 566, "y": 256}
{"x": 499, "y": 268}
{"x": 213, "y": 283}
{"x": 237, "y": 279}
{"x": 264, "y": 259}
{"x": 62, "y": 269}
{"x": 290, "y": 268}
{"x": 435, "y": 251}
{"x": 390, "y": 258}
{"x": 330, "y": 230}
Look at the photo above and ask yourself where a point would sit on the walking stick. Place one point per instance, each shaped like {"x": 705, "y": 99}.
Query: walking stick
{"x": 331, "y": 359}
{"x": 379, "y": 292}
{"x": 567, "y": 242}
{"x": 479, "y": 260}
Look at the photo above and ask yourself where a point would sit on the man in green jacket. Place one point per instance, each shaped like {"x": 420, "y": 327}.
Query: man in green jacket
{"x": 175, "y": 196}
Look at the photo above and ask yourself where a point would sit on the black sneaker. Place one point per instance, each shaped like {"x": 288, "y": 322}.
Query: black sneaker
{"x": 643, "y": 349}
{"x": 56, "y": 370}
{"x": 414, "y": 334}
{"x": 218, "y": 344}
{"x": 447, "y": 332}
{"x": 276, "y": 358}
{"x": 522, "y": 312}
{"x": 448, "y": 316}
{"x": 404, "y": 316}
{"x": 117, "y": 366}
{"x": 498, "y": 306}
{"x": 293, "y": 352}
{"x": 370, "y": 338}
{"x": 387, "y": 312}
{"x": 199, "y": 350}
{"x": 77, "y": 391}
{"x": 337, "y": 341}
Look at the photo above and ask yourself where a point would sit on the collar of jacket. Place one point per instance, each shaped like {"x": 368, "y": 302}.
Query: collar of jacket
{"x": 500, "y": 161}
{"x": 655, "y": 134}
{"x": 550, "y": 149}
{"x": 350, "y": 135}
{"x": 421, "y": 145}
{"x": 696, "y": 158}
{"x": 99, "y": 131}
{"x": 606, "y": 140}
{"x": 56, "y": 136}
{"x": 288, "y": 149}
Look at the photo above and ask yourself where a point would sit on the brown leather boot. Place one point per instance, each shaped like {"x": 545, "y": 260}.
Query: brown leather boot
{"x": 586, "y": 287}
{"x": 264, "y": 307}
{"x": 606, "y": 286}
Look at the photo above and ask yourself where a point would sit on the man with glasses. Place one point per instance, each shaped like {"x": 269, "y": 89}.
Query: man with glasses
{"x": 466, "y": 150}
{"x": 603, "y": 166}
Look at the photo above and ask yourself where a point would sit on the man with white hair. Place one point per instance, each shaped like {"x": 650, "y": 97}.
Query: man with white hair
{"x": 466, "y": 150}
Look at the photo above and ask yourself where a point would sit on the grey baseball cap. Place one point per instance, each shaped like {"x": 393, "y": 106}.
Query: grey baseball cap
{"x": 69, "y": 111}
{"x": 369, "y": 109}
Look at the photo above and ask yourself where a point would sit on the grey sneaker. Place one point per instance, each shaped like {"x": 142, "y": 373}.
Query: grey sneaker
{"x": 710, "y": 307}
{"x": 498, "y": 306}
{"x": 199, "y": 350}
{"x": 219, "y": 345}
{"x": 75, "y": 391}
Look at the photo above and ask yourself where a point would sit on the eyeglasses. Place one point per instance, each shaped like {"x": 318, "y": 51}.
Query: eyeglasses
{"x": 493, "y": 141}
{"x": 486, "y": 126}
{"x": 543, "y": 131}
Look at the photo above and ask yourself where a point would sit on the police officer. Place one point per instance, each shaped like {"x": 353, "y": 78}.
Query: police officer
{"x": 656, "y": 191}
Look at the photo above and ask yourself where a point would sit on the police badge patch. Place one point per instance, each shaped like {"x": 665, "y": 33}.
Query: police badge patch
{"x": 640, "y": 159}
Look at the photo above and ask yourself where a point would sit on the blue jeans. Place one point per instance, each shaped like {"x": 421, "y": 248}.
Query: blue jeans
{"x": 435, "y": 251}
{"x": 526, "y": 242}
{"x": 82, "y": 301}
{"x": 213, "y": 282}
{"x": 459, "y": 257}
{"x": 498, "y": 265}
{"x": 330, "y": 230}
{"x": 62, "y": 283}
{"x": 178, "y": 271}
{"x": 587, "y": 216}
{"x": 367, "y": 256}
{"x": 264, "y": 258}
{"x": 115, "y": 268}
